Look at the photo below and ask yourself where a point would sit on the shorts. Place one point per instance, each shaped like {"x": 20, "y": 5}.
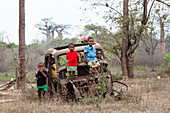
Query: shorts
{"x": 93, "y": 64}
{"x": 72, "y": 68}
{"x": 44, "y": 88}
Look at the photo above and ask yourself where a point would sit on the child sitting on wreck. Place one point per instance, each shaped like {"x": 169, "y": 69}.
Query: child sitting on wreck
{"x": 72, "y": 58}
{"x": 40, "y": 77}
{"x": 90, "y": 54}
{"x": 99, "y": 55}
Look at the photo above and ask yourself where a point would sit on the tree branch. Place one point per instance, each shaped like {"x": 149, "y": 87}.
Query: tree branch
{"x": 150, "y": 10}
{"x": 108, "y": 7}
{"x": 163, "y": 3}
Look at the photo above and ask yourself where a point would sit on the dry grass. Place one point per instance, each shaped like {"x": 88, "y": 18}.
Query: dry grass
{"x": 144, "y": 95}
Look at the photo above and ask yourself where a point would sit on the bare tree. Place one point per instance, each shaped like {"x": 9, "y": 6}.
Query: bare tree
{"x": 22, "y": 42}
{"x": 49, "y": 28}
{"x": 162, "y": 36}
{"x": 45, "y": 27}
{"x": 132, "y": 37}
{"x": 60, "y": 29}
{"x": 2, "y": 35}
{"x": 150, "y": 43}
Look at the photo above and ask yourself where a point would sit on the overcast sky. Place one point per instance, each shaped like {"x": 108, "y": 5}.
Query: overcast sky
{"x": 61, "y": 12}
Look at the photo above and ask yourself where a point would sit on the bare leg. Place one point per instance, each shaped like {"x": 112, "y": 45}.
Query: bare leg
{"x": 69, "y": 75}
{"x": 39, "y": 95}
{"x": 43, "y": 93}
{"x": 73, "y": 75}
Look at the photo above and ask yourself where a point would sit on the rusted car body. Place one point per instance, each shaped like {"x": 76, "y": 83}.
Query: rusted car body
{"x": 84, "y": 80}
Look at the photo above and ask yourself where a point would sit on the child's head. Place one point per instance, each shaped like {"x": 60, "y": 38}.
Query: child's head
{"x": 99, "y": 54}
{"x": 52, "y": 60}
{"x": 83, "y": 40}
{"x": 90, "y": 41}
{"x": 41, "y": 66}
{"x": 71, "y": 47}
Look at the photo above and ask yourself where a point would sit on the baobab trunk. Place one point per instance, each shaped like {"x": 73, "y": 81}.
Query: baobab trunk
{"x": 22, "y": 42}
{"x": 162, "y": 43}
{"x": 60, "y": 36}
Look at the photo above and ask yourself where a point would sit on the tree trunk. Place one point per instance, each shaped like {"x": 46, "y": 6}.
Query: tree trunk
{"x": 124, "y": 40}
{"x": 60, "y": 36}
{"x": 130, "y": 65}
{"x": 162, "y": 42}
{"x": 52, "y": 35}
{"x": 48, "y": 34}
{"x": 22, "y": 42}
{"x": 124, "y": 60}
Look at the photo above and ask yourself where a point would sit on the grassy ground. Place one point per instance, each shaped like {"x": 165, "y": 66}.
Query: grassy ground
{"x": 147, "y": 93}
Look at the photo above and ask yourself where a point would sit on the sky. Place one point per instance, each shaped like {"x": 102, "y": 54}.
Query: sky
{"x": 61, "y": 12}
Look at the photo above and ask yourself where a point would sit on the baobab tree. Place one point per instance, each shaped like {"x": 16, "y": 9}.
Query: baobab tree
{"x": 49, "y": 28}
{"x": 22, "y": 42}
{"x": 45, "y": 27}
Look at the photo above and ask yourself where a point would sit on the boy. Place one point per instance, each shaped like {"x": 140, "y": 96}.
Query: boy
{"x": 72, "y": 58}
{"x": 40, "y": 77}
{"x": 83, "y": 40}
{"x": 99, "y": 55}
{"x": 54, "y": 73}
{"x": 90, "y": 54}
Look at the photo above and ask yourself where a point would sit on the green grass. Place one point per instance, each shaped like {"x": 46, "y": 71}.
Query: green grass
{"x": 141, "y": 68}
{"x": 8, "y": 77}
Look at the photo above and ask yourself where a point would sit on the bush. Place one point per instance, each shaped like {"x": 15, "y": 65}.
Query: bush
{"x": 167, "y": 64}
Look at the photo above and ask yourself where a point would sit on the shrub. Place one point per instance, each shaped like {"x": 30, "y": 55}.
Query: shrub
{"x": 167, "y": 63}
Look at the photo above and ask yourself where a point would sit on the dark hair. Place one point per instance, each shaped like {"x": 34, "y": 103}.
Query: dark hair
{"x": 53, "y": 58}
{"x": 41, "y": 63}
{"x": 70, "y": 44}
{"x": 90, "y": 38}
{"x": 99, "y": 51}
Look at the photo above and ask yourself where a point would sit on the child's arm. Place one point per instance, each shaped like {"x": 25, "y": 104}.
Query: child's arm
{"x": 43, "y": 73}
{"x": 85, "y": 52}
{"x": 36, "y": 78}
{"x": 85, "y": 58}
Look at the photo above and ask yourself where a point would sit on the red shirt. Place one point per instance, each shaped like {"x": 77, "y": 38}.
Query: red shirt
{"x": 72, "y": 58}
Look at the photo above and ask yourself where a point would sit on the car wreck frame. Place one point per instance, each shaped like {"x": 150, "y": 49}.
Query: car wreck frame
{"x": 84, "y": 80}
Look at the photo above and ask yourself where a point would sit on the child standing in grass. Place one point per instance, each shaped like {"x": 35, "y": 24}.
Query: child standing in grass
{"x": 72, "y": 58}
{"x": 41, "y": 77}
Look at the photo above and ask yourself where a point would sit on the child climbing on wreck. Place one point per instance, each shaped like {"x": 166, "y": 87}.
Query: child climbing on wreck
{"x": 90, "y": 55}
{"x": 72, "y": 58}
{"x": 40, "y": 77}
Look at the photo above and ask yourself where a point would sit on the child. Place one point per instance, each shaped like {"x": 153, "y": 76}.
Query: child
{"x": 83, "y": 40}
{"x": 54, "y": 73}
{"x": 40, "y": 77}
{"x": 99, "y": 55}
{"x": 90, "y": 54}
{"x": 72, "y": 58}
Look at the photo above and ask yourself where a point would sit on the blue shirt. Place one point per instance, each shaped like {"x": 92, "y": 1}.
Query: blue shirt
{"x": 90, "y": 53}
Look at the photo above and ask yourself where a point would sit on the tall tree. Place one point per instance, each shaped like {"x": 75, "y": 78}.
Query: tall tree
{"x": 45, "y": 26}
{"x": 2, "y": 35}
{"x": 150, "y": 42}
{"x": 132, "y": 28}
{"x": 22, "y": 42}
{"x": 60, "y": 29}
{"x": 125, "y": 39}
{"x": 48, "y": 28}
